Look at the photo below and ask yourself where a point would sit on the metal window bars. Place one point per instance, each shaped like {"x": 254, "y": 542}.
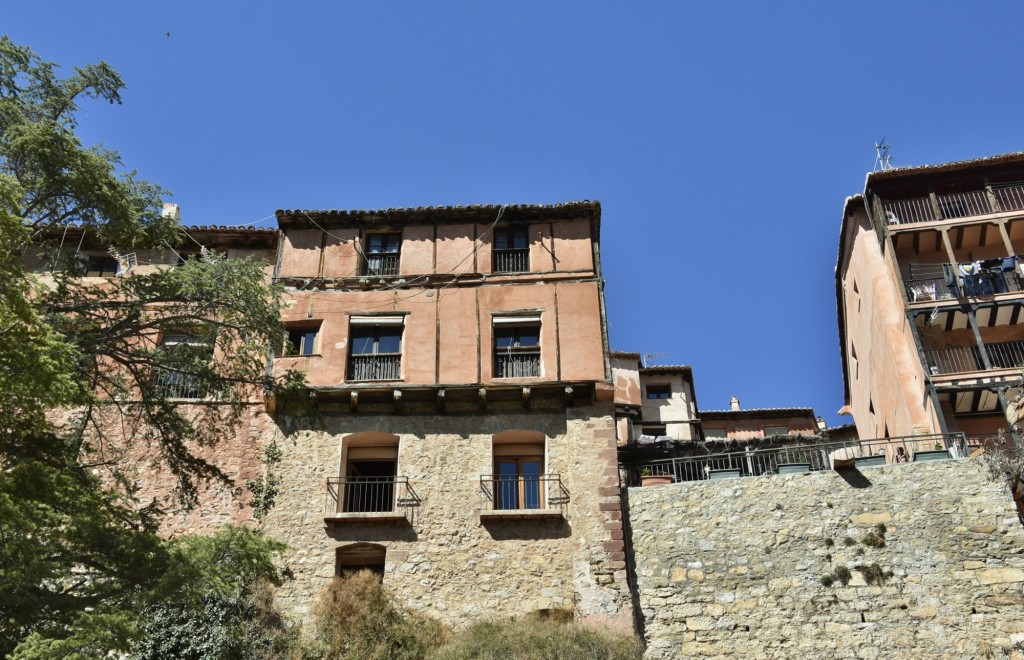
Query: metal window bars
{"x": 523, "y": 363}
{"x": 523, "y": 492}
{"x": 375, "y": 367}
{"x": 368, "y": 494}
{"x": 513, "y": 260}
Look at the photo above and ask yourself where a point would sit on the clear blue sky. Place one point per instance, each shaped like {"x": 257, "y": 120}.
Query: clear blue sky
{"x": 720, "y": 138}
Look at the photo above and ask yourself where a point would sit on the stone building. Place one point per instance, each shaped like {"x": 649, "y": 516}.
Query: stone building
{"x": 655, "y": 401}
{"x": 930, "y": 292}
{"x": 463, "y": 443}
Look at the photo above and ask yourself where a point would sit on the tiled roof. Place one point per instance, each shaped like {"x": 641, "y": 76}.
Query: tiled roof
{"x": 486, "y": 212}
{"x": 228, "y": 229}
{"x": 1011, "y": 157}
{"x": 747, "y": 413}
{"x": 625, "y": 355}
{"x": 665, "y": 369}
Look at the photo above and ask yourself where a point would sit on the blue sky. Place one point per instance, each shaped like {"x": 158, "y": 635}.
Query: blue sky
{"x": 721, "y": 138}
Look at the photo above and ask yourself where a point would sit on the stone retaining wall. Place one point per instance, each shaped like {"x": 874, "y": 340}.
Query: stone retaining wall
{"x": 735, "y": 568}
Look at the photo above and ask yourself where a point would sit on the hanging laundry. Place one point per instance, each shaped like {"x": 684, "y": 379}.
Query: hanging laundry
{"x": 1009, "y": 263}
{"x": 992, "y": 263}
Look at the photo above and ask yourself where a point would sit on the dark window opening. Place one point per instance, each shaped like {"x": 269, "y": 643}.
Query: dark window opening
{"x": 370, "y": 484}
{"x": 654, "y": 430}
{"x": 301, "y": 340}
{"x": 358, "y": 557}
{"x": 101, "y": 267}
{"x": 382, "y": 252}
{"x": 375, "y": 352}
{"x": 511, "y": 251}
{"x": 517, "y": 351}
{"x": 659, "y": 391}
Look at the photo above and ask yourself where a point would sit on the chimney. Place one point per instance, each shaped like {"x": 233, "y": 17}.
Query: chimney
{"x": 171, "y": 211}
{"x": 734, "y": 404}
{"x": 822, "y": 426}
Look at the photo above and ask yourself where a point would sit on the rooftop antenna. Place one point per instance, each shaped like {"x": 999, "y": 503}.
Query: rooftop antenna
{"x": 883, "y": 161}
{"x": 650, "y": 356}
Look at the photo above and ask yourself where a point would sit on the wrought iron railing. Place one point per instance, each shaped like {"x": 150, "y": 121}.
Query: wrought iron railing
{"x": 964, "y": 205}
{"x": 367, "y": 494}
{"x": 907, "y": 211}
{"x": 515, "y": 260}
{"x": 523, "y": 492}
{"x": 382, "y": 264}
{"x": 179, "y": 385}
{"x": 521, "y": 364}
{"x": 929, "y": 282}
{"x": 814, "y": 458}
{"x": 1011, "y": 197}
{"x": 965, "y": 359}
{"x": 375, "y": 367}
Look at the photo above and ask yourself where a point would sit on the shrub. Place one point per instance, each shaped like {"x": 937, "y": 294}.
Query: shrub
{"x": 847, "y": 541}
{"x": 534, "y": 638}
{"x": 842, "y": 575}
{"x": 355, "y": 619}
{"x": 874, "y": 574}
{"x": 827, "y": 580}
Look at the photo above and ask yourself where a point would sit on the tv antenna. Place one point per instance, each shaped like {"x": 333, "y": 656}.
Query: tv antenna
{"x": 650, "y": 356}
{"x": 883, "y": 161}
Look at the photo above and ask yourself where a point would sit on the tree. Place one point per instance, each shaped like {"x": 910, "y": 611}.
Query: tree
{"x": 80, "y": 557}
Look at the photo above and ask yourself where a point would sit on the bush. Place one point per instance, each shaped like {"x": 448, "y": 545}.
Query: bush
{"x": 356, "y": 619}
{"x": 535, "y": 638}
{"x": 842, "y": 575}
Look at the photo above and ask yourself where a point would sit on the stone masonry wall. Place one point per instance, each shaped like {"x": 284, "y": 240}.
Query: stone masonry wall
{"x": 734, "y": 568}
{"x": 445, "y": 562}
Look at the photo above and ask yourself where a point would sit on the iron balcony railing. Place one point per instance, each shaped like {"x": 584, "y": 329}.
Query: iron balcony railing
{"x": 367, "y": 494}
{"x": 515, "y": 260}
{"x": 965, "y": 359}
{"x": 816, "y": 458}
{"x": 375, "y": 367}
{"x": 954, "y": 205}
{"x": 523, "y": 492}
{"x": 382, "y": 264}
{"x": 179, "y": 385}
{"x": 521, "y": 364}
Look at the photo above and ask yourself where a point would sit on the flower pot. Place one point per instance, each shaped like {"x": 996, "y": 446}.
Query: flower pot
{"x": 931, "y": 455}
{"x": 716, "y": 475}
{"x": 655, "y": 479}
{"x": 794, "y": 468}
{"x": 870, "y": 461}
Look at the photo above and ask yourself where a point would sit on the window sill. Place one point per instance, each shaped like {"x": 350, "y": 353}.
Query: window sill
{"x": 311, "y": 355}
{"x": 362, "y": 518}
{"x": 522, "y": 514}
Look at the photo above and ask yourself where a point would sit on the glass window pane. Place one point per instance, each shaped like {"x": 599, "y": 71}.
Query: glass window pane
{"x": 529, "y": 336}
{"x": 390, "y": 340}
{"x": 308, "y": 342}
{"x": 503, "y": 338}
{"x": 519, "y": 239}
{"x": 362, "y": 341}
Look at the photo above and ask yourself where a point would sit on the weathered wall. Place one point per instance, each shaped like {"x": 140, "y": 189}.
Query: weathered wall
{"x": 734, "y": 568}
{"x": 445, "y": 562}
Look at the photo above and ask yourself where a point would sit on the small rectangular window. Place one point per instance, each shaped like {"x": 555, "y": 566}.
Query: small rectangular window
{"x": 511, "y": 251}
{"x": 715, "y": 434}
{"x": 301, "y": 340}
{"x": 382, "y": 252}
{"x": 185, "y": 356}
{"x": 516, "y": 349}
{"x": 654, "y": 430}
{"x": 659, "y": 391}
{"x": 769, "y": 431}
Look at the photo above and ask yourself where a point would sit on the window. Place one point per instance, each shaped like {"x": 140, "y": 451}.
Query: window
{"x": 769, "y": 431}
{"x": 519, "y": 474}
{"x": 185, "y": 355}
{"x": 358, "y": 557}
{"x": 375, "y": 347}
{"x": 659, "y": 391}
{"x": 382, "y": 252}
{"x": 511, "y": 251}
{"x": 715, "y": 434}
{"x": 654, "y": 430}
{"x": 101, "y": 266}
{"x": 517, "y": 347}
{"x": 370, "y": 474}
{"x": 301, "y": 340}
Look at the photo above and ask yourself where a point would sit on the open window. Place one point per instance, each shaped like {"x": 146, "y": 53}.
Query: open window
{"x": 101, "y": 266}
{"x": 518, "y": 470}
{"x": 382, "y": 252}
{"x": 375, "y": 347}
{"x": 511, "y": 252}
{"x": 517, "y": 346}
{"x": 301, "y": 339}
{"x": 185, "y": 355}
{"x": 368, "y": 487}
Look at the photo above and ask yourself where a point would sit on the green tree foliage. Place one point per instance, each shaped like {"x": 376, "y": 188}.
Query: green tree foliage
{"x": 86, "y": 382}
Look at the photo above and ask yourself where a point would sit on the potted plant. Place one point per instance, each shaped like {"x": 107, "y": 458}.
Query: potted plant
{"x": 647, "y": 478}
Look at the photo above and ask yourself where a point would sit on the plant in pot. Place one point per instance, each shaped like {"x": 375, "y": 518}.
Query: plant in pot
{"x": 648, "y": 478}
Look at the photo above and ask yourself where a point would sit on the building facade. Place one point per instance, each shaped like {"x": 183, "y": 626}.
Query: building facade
{"x": 655, "y": 401}
{"x": 463, "y": 439}
{"x": 758, "y": 423}
{"x": 929, "y": 291}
